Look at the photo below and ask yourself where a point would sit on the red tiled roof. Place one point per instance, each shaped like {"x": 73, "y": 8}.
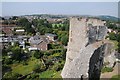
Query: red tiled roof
{"x": 7, "y": 30}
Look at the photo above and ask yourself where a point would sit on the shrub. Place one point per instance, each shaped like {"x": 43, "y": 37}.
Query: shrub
{"x": 39, "y": 68}
{"x": 24, "y": 63}
{"x": 38, "y": 54}
{"x": 58, "y": 67}
{"x": 107, "y": 69}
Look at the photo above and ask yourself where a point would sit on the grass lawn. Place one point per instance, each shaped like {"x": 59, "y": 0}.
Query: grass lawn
{"x": 57, "y": 75}
{"x": 50, "y": 74}
{"x": 24, "y": 69}
{"x": 47, "y": 74}
{"x": 115, "y": 77}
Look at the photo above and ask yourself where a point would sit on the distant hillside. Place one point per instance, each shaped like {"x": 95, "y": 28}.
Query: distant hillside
{"x": 103, "y": 17}
{"x": 111, "y": 18}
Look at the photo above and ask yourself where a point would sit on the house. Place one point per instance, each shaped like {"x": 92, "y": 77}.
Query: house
{"x": 111, "y": 30}
{"x": 8, "y": 31}
{"x": 38, "y": 43}
{"x": 22, "y": 44}
{"x": 51, "y": 37}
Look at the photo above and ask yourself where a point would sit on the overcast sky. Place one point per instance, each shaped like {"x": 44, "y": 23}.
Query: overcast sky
{"x": 81, "y": 8}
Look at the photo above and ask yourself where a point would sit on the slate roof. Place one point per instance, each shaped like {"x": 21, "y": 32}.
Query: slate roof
{"x": 38, "y": 39}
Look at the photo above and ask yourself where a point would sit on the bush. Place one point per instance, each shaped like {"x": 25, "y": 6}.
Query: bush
{"x": 33, "y": 77}
{"x": 36, "y": 68}
{"x": 7, "y": 61}
{"x": 64, "y": 40}
{"x": 58, "y": 67}
{"x": 24, "y": 63}
{"x": 38, "y": 54}
{"x": 112, "y": 36}
{"x": 107, "y": 69}
{"x": 11, "y": 75}
{"x": 39, "y": 68}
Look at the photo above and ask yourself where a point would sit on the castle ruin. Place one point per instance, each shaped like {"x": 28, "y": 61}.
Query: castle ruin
{"x": 86, "y": 48}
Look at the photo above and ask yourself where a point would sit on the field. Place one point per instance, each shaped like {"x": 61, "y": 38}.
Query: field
{"x": 25, "y": 69}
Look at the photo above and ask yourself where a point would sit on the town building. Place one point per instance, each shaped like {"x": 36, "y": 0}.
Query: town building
{"x": 51, "y": 37}
{"x": 38, "y": 43}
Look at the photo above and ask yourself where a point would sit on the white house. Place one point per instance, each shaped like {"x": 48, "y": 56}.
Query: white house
{"x": 51, "y": 37}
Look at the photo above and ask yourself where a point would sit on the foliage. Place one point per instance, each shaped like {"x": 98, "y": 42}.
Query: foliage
{"x": 54, "y": 46}
{"x": 112, "y": 36}
{"x": 107, "y": 69}
{"x": 48, "y": 62}
{"x": 63, "y": 37}
{"x": 14, "y": 18}
{"x": 58, "y": 67}
{"x": 24, "y": 69}
{"x": 39, "y": 68}
{"x": 5, "y": 68}
{"x": 63, "y": 54}
{"x": 118, "y": 39}
{"x": 18, "y": 53}
{"x": 38, "y": 54}
{"x": 115, "y": 77}
{"x": 25, "y": 24}
{"x": 11, "y": 75}
{"x": 7, "y": 61}
{"x": 42, "y": 26}
{"x": 47, "y": 74}
{"x": 119, "y": 46}
{"x": 64, "y": 40}
{"x": 61, "y": 26}
{"x": 51, "y": 74}
{"x": 24, "y": 63}
{"x": 111, "y": 25}
{"x": 32, "y": 76}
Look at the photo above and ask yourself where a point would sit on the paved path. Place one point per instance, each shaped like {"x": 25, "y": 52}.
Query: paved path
{"x": 114, "y": 72}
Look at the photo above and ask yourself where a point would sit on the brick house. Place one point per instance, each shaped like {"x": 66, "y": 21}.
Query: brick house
{"x": 38, "y": 43}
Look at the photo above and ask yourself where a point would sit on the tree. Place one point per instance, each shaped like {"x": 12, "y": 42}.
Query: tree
{"x": 42, "y": 26}
{"x": 38, "y": 54}
{"x": 112, "y": 36}
{"x": 17, "y": 53}
{"x": 3, "y": 18}
{"x": 64, "y": 40}
{"x": 7, "y": 61}
{"x": 63, "y": 54}
{"x": 14, "y": 18}
{"x": 25, "y": 24}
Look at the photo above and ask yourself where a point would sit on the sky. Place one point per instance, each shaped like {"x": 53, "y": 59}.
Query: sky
{"x": 59, "y": 0}
{"x": 74, "y": 8}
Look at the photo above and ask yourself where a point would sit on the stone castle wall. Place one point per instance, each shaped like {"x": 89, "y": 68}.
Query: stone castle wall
{"x": 85, "y": 37}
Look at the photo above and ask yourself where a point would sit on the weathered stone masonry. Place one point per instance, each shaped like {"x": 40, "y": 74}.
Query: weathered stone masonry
{"x": 86, "y": 48}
